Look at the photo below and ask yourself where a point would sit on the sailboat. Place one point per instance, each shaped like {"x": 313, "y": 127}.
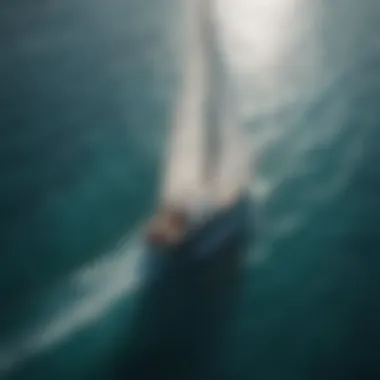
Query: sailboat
{"x": 204, "y": 203}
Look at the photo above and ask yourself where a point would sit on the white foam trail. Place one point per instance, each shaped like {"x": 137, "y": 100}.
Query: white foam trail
{"x": 99, "y": 285}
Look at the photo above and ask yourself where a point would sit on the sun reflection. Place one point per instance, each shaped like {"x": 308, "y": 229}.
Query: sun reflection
{"x": 272, "y": 47}
{"x": 256, "y": 31}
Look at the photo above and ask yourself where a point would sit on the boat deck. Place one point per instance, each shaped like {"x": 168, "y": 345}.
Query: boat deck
{"x": 171, "y": 224}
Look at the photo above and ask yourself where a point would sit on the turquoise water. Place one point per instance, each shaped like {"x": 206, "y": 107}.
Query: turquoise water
{"x": 86, "y": 93}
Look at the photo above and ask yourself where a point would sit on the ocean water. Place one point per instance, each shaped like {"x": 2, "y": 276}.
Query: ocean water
{"x": 86, "y": 93}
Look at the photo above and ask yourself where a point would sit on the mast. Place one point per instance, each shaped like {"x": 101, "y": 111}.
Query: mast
{"x": 215, "y": 71}
{"x": 229, "y": 160}
{"x": 233, "y": 166}
{"x": 226, "y": 159}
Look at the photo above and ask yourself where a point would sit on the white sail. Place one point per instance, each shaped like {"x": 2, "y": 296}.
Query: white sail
{"x": 207, "y": 158}
{"x": 184, "y": 176}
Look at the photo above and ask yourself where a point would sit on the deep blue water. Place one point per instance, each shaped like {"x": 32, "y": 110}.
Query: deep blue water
{"x": 86, "y": 90}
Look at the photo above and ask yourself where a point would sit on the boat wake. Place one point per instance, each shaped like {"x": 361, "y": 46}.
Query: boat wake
{"x": 84, "y": 298}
